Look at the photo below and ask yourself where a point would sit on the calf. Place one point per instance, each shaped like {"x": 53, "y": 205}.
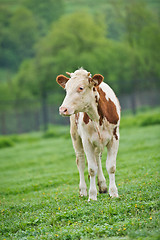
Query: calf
{"x": 94, "y": 112}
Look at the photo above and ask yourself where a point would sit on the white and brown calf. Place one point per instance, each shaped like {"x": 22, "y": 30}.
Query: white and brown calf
{"x": 94, "y": 112}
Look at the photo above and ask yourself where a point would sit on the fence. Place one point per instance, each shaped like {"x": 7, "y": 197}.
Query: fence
{"x": 27, "y": 116}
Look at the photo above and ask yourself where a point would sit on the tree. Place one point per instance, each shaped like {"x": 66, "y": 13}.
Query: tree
{"x": 18, "y": 36}
{"x": 71, "y": 38}
{"x": 142, "y": 35}
{"x": 114, "y": 20}
{"x": 45, "y": 12}
{"x": 78, "y": 40}
{"x": 69, "y": 44}
{"x": 24, "y": 33}
{"x": 74, "y": 41}
{"x": 150, "y": 49}
{"x": 6, "y": 44}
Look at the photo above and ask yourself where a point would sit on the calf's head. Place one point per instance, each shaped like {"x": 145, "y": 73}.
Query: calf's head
{"x": 79, "y": 91}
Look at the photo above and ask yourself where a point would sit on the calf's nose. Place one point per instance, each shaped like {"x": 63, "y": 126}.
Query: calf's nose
{"x": 63, "y": 110}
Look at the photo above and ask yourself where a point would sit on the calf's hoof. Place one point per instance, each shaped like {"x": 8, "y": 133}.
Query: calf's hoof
{"x": 92, "y": 196}
{"x": 102, "y": 187}
{"x": 83, "y": 192}
{"x": 103, "y": 190}
{"x": 113, "y": 192}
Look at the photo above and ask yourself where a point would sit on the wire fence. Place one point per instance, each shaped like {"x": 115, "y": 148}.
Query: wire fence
{"x": 26, "y": 115}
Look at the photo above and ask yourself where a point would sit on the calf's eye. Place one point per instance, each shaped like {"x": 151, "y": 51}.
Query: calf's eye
{"x": 80, "y": 89}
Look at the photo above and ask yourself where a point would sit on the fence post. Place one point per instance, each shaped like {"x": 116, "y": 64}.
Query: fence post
{"x": 36, "y": 120}
{"x": 44, "y": 111}
{"x": 133, "y": 102}
{"x": 3, "y": 122}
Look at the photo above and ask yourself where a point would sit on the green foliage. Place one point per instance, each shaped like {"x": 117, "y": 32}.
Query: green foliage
{"x": 38, "y": 40}
{"x": 5, "y": 91}
{"x": 18, "y": 36}
{"x": 39, "y": 191}
{"x": 6, "y": 53}
{"x": 46, "y": 11}
{"x": 69, "y": 39}
{"x": 79, "y": 39}
{"x": 24, "y": 33}
{"x": 151, "y": 120}
{"x": 74, "y": 35}
{"x": 12, "y": 140}
{"x": 141, "y": 119}
{"x": 57, "y": 131}
{"x": 6, "y": 95}
{"x": 137, "y": 17}
{"x": 26, "y": 82}
{"x": 6, "y": 142}
{"x": 113, "y": 14}
{"x": 21, "y": 27}
{"x": 142, "y": 34}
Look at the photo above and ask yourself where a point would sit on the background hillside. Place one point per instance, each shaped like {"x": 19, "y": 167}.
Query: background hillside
{"x": 41, "y": 39}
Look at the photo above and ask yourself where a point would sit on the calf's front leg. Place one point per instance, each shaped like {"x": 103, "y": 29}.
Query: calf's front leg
{"x": 80, "y": 158}
{"x": 92, "y": 169}
{"x": 111, "y": 165}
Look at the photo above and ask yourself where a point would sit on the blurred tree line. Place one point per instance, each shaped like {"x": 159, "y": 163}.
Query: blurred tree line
{"x": 41, "y": 39}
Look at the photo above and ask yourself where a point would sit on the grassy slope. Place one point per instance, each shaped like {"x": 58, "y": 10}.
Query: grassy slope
{"x": 39, "y": 191}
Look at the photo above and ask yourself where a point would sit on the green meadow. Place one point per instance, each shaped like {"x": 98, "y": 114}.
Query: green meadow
{"x": 39, "y": 196}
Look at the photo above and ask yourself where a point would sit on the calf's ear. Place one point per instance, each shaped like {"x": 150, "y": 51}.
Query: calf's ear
{"x": 62, "y": 80}
{"x": 96, "y": 79}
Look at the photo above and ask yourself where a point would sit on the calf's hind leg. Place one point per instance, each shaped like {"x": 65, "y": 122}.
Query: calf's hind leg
{"x": 111, "y": 165}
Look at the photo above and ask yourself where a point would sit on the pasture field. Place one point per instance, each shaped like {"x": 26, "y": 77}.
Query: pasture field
{"x": 39, "y": 196}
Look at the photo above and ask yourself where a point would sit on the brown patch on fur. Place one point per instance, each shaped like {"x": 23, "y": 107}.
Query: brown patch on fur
{"x": 91, "y": 172}
{"x": 86, "y": 118}
{"x": 77, "y": 161}
{"x": 112, "y": 169}
{"x": 76, "y": 118}
{"x": 106, "y": 108}
{"x": 96, "y": 99}
{"x": 94, "y": 89}
{"x": 115, "y": 133}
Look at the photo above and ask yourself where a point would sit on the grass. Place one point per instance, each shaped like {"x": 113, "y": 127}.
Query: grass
{"x": 39, "y": 189}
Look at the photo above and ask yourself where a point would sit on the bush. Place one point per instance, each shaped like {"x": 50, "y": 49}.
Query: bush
{"x": 141, "y": 119}
{"x": 6, "y": 142}
{"x": 150, "y": 120}
{"x": 57, "y": 131}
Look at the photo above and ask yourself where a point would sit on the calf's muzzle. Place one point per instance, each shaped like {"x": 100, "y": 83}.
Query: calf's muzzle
{"x": 64, "y": 111}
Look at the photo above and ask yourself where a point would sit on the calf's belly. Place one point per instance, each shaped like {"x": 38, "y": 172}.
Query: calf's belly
{"x": 100, "y": 140}
{"x": 97, "y": 138}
